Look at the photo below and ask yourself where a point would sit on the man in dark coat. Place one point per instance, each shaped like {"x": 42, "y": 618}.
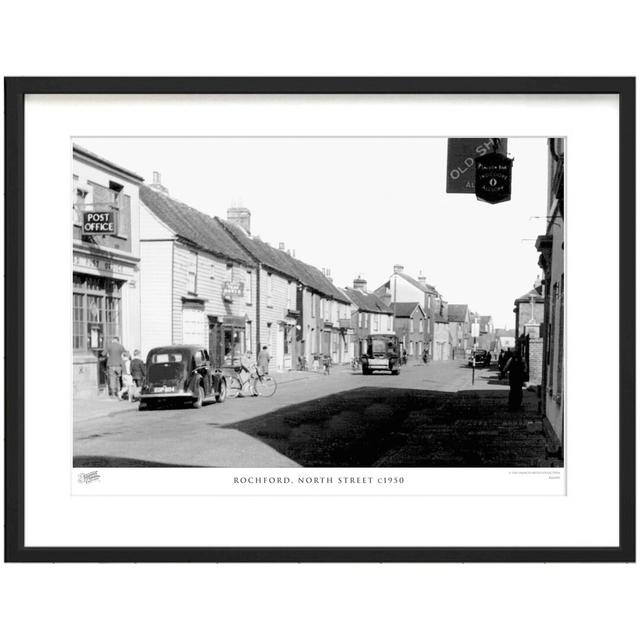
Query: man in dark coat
{"x": 114, "y": 352}
{"x": 516, "y": 371}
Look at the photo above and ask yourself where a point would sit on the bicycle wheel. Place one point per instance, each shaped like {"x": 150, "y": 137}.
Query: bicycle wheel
{"x": 266, "y": 386}
{"x": 234, "y": 387}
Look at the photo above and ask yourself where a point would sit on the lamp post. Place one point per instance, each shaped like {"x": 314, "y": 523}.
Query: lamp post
{"x": 475, "y": 332}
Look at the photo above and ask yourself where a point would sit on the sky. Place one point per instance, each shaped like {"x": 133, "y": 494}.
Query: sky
{"x": 360, "y": 205}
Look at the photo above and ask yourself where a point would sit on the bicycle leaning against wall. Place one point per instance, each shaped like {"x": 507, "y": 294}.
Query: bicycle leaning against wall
{"x": 257, "y": 384}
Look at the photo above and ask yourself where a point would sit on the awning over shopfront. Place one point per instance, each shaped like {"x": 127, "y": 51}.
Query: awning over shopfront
{"x": 234, "y": 321}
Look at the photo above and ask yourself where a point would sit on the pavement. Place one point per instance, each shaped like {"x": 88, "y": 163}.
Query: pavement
{"x": 429, "y": 415}
{"x": 105, "y": 407}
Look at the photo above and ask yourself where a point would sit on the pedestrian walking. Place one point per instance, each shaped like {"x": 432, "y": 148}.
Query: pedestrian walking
{"x": 516, "y": 370}
{"x": 127, "y": 378}
{"x": 114, "y": 351}
{"x": 502, "y": 361}
{"x": 326, "y": 363}
{"x": 263, "y": 360}
{"x": 138, "y": 371}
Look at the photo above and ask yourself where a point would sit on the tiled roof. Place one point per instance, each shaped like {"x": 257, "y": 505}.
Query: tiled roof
{"x": 94, "y": 156}
{"x": 536, "y": 292}
{"x": 404, "y": 309}
{"x": 458, "y": 312}
{"x": 190, "y": 224}
{"x": 427, "y": 288}
{"x": 367, "y": 301}
{"x": 283, "y": 263}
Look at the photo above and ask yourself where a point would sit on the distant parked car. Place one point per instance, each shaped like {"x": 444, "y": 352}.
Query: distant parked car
{"x": 181, "y": 372}
{"x": 482, "y": 358}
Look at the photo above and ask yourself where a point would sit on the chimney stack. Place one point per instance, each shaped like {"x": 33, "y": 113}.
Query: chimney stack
{"x": 360, "y": 284}
{"x": 157, "y": 185}
{"x": 422, "y": 279}
{"x": 240, "y": 216}
{"x": 398, "y": 268}
{"x": 281, "y": 246}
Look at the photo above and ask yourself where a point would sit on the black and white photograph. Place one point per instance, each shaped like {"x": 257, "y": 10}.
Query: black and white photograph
{"x": 322, "y": 302}
{"x": 360, "y": 317}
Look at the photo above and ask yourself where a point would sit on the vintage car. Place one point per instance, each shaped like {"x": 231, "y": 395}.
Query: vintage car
{"x": 181, "y": 372}
{"x": 482, "y": 358}
{"x": 382, "y": 354}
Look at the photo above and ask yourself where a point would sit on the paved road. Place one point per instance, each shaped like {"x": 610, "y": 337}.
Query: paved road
{"x": 309, "y": 417}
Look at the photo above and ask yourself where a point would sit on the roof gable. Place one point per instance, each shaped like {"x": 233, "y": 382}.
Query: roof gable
{"x": 536, "y": 293}
{"x": 406, "y": 309}
{"x": 369, "y": 302}
{"x": 425, "y": 288}
{"x": 195, "y": 227}
{"x": 458, "y": 312}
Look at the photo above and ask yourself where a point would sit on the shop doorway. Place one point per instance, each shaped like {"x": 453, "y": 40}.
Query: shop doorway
{"x": 216, "y": 342}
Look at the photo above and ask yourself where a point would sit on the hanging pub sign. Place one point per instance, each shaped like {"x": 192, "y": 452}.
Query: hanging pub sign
{"x": 95, "y": 223}
{"x": 461, "y": 156}
{"x": 231, "y": 290}
{"x": 493, "y": 177}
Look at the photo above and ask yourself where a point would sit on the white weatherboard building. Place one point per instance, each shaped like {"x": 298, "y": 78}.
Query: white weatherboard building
{"x": 197, "y": 285}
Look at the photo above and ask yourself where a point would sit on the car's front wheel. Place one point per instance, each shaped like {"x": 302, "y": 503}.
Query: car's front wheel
{"x": 221, "y": 396}
{"x": 197, "y": 403}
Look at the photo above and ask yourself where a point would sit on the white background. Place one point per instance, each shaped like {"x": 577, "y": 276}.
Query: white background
{"x": 587, "y": 516}
{"x": 497, "y": 601}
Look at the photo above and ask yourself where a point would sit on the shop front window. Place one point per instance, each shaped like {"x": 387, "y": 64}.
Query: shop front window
{"x": 96, "y": 312}
{"x": 287, "y": 340}
{"x": 234, "y": 345}
{"x": 79, "y": 322}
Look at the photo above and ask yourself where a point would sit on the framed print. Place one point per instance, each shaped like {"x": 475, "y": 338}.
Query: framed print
{"x": 320, "y": 319}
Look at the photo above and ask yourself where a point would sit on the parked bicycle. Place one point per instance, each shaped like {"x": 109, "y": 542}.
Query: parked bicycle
{"x": 258, "y": 384}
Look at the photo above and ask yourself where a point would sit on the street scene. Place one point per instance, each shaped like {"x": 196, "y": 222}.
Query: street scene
{"x": 201, "y": 339}
{"x": 431, "y": 415}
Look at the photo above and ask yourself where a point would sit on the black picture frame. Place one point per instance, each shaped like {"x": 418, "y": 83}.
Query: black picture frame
{"x": 15, "y": 91}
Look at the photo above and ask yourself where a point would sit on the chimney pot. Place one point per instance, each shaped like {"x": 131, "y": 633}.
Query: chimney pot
{"x": 360, "y": 284}
{"x": 240, "y": 216}
{"x": 281, "y": 246}
{"x": 157, "y": 185}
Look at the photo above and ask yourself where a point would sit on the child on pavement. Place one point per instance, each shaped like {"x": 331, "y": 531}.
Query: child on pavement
{"x": 127, "y": 378}
{"x": 138, "y": 372}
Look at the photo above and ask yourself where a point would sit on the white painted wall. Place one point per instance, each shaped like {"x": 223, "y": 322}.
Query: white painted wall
{"x": 155, "y": 294}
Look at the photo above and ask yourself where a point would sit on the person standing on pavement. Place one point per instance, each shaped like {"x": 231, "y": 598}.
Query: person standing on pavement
{"x": 114, "y": 352}
{"x": 263, "y": 360}
{"x": 127, "y": 378}
{"x": 502, "y": 362}
{"x": 516, "y": 370}
{"x": 138, "y": 371}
